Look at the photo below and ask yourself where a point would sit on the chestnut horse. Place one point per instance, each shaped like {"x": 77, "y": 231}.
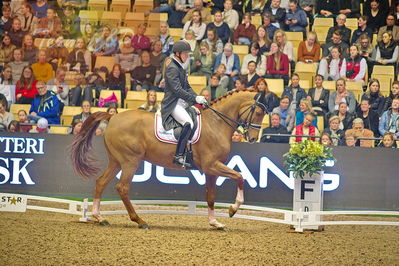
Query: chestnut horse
{"x": 129, "y": 139}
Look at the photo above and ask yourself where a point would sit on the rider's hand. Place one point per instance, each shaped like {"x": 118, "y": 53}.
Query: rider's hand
{"x": 201, "y": 100}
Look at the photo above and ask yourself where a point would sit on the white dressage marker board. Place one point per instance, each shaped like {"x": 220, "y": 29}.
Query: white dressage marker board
{"x": 308, "y": 196}
{"x": 13, "y": 202}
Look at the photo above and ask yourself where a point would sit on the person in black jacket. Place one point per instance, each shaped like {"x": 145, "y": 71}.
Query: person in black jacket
{"x": 326, "y": 9}
{"x": 345, "y": 118}
{"x": 319, "y": 96}
{"x": 394, "y": 93}
{"x": 345, "y": 32}
{"x": 350, "y": 8}
{"x": 270, "y": 100}
{"x": 86, "y": 105}
{"x": 333, "y": 130}
{"x": 178, "y": 96}
{"x": 369, "y": 117}
{"x": 374, "y": 97}
{"x": 277, "y": 14}
{"x": 275, "y": 128}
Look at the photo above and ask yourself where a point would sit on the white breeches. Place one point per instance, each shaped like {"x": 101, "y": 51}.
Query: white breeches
{"x": 181, "y": 115}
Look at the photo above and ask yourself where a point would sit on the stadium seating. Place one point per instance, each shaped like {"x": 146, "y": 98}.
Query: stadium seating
{"x": 143, "y": 6}
{"x": 133, "y": 19}
{"x": 295, "y": 38}
{"x": 306, "y": 72}
{"x": 385, "y": 75}
{"x": 257, "y": 21}
{"x": 356, "y": 87}
{"x": 352, "y": 24}
{"x": 155, "y": 19}
{"x": 375, "y": 37}
{"x": 322, "y": 24}
{"x": 43, "y": 43}
{"x": 63, "y": 130}
{"x": 276, "y": 86}
{"x": 320, "y": 123}
{"x": 122, "y": 6}
{"x": 329, "y": 85}
{"x": 68, "y": 113}
{"x": 107, "y": 61}
{"x": 305, "y": 84}
{"x": 134, "y": 99}
{"x": 321, "y": 37}
{"x": 126, "y": 15}
{"x": 176, "y": 33}
{"x": 152, "y": 32}
{"x": 197, "y": 83}
{"x": 108, "y": 93}
{"x": 265, "y": 124}
{"x": 99, "y": 5}
{"x": 14, "y": 108}
{"x": 241, "y": 51}
{"x": 112, "y": 18}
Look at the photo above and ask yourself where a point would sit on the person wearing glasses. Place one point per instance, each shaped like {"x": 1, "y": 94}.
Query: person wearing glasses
{"x": 389, "y": 27}
{"x": 45, "y": 105}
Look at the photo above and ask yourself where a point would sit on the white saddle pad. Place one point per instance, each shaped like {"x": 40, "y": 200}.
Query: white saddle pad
{"x": 168, "y": 137}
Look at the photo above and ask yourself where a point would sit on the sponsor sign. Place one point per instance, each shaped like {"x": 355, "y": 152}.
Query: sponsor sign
{"x": 13, "y": 202}
{"x": 361, "y": 178}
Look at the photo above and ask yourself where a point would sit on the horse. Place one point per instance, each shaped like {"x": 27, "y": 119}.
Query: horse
{"x": 129, "y": 138}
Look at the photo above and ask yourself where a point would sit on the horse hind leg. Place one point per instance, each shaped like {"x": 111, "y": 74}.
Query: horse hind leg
{"x": 220, "y": 169}
{"x": 101, "y": 183}
{"x": 210, "y": 197}
{"x": 123, "y": 187}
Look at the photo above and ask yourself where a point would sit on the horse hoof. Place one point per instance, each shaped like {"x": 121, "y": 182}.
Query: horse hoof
{"x": 144, "y": 226}
{"x": 217, "y": 225}
{"x": 104, "y": 223}
{"x": 232, "y": 211}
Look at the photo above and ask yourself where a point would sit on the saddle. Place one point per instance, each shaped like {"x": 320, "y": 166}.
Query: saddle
{"x": 172, "y": 135}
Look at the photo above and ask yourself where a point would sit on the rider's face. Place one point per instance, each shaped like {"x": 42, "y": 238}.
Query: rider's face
{"x": 184, "y": 56}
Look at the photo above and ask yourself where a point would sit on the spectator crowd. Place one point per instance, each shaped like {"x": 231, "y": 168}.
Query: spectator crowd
{"x": 38, "y": 75}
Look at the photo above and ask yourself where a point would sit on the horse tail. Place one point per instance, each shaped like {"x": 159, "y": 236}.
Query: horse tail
{"x": 83, "y": 162}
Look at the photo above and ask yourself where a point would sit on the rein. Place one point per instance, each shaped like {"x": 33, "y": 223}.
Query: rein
{"x": 241, "y": 127}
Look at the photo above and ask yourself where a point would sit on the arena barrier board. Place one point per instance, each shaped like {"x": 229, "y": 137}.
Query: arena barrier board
{"x": 296, "y": 219}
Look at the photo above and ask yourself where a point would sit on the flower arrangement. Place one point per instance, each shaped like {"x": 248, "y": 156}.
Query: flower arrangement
{"x": 307, "y": 157}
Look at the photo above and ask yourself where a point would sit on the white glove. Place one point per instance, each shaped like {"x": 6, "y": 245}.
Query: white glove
{"x": 201, "y": 100}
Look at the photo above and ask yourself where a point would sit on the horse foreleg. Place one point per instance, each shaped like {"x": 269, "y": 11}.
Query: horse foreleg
{"x": 123, "y": 187}
{"x": 101, "y": 184}
{"x": 210, "y": 197}
{"x": 220, "y": 169}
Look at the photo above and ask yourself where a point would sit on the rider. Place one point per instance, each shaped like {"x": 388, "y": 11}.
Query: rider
{"x": 178, "y": 96}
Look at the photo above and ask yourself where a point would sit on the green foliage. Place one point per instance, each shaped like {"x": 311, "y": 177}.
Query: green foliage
{"x": 307, "y": 157}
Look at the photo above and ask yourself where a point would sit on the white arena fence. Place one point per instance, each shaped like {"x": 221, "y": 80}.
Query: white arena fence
{"x": 298, "y": 219}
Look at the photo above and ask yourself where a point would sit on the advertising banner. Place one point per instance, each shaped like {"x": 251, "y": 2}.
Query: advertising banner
{"x": 361, "y": 178}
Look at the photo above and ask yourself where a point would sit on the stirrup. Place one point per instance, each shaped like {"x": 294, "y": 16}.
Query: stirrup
{"x": 181, "y": 160}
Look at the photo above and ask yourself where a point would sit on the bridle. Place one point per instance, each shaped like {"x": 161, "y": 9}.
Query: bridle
{"x": 243, "y": 124}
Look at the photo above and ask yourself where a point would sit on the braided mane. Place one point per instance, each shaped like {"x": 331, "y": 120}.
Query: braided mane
{"x": 227, "y": 95}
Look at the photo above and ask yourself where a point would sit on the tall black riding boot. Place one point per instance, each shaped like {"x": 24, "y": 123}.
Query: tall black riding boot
{"x": 180, "y": 158}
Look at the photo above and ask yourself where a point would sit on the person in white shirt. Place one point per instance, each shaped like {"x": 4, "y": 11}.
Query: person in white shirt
{"x": 6, "y": 85}
{"x": 330, "y": 68}
{"x": 354, "y": 67}
{"x": 196, "y": 25}
{"x": 260, "y": 61}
